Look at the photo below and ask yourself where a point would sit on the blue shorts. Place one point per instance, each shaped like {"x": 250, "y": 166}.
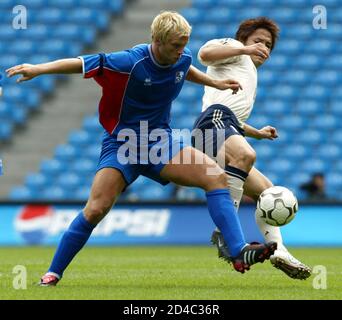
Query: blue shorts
{"x": 135, "y": 158}
{"x": 215, "y": 123}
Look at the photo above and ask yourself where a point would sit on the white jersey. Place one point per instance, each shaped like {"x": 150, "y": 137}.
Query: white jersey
{"x": 240, "y": 68}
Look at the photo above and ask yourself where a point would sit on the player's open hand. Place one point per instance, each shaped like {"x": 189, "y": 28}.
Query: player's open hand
{"x": 268, "y": 132}
{"x": 28, "y": 71}
{"x": 228, "y": 84}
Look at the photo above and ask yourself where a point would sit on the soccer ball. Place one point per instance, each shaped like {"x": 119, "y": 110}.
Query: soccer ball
{"x": 277, "y": 206}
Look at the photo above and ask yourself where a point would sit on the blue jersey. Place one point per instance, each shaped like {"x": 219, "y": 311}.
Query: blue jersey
{"x": 135, "y": 87}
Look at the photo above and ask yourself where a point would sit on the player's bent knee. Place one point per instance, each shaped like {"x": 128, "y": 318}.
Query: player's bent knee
{"x": 95, "y": 211}
{"x": 218, "y": 181}
{"x": 245, "y": 159}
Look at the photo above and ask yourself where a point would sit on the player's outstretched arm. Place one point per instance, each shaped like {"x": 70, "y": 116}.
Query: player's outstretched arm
{"x": 217, "y": 52}
{"x": 197, "y": 76}
{"x": 29, "y": 71}
{"x": 267, "y": 132}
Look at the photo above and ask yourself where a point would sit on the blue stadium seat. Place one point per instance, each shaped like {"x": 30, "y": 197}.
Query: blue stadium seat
{"x": 190, "y": 93}
{"x": 36, "y": 4}
{"x": 298, "y": 178}
{"x": 334, "y": 62}
{"x": 331, "y": 78}
{"x": 194, "y": 46}
{"x": 295, "y": 152}
{"x": 337, "y": 166}
{"x": 298, "y": 31}
{"x": 278, "y": 62}
{"x": 317, "y": 92}
{"x": 65, "y": 152}
{"x": 51, "y": 167}
{"x": 35, "y": 181}
{"x": 334, "y": 180}
{"x": 283, "y": 15}
{"x": 308, "y": 107}
{"x": 153, "y": 192}
{"x": 79, "y": 138}
{"x": 263, "y": 150}
{"x": 310, "y": 137}
{"x": 22, "y": 48}
{"x": 236, "y": 4}
{"x": 8, "y": 33}
{"x": 336, "y": 136}
{"x": 320, "y": 46}
{"x": 258, "y": 121}
{"x": 297, "y": 77}
{"x": 332, "y": 32}
{"x": 68, "y": 181}
{"x": 307, "y": 62}
{"x": 83, "y": 167}
{"x": 60, "y": 48}
{"x": 113, "y": 6}
{"x": 286, "y": 92}
{"x": 190, "y": 194}
{"x": 85, "y": 16}
{"x": 267, "y": 77}
{"x": 50, "y": 16}
{"x": 36, "y": 32}
{"x": 274, "y": 108}
{"x": 329, "y": 152}
{"x": 204, "y": 3}
{"x": 275, "y": 177}
{"x": 222, "y": 16}
{"x": 54, "y": 193}
{"x": 325, "y": 122}
{"x": 21, "y": 193}
{"x": 178, "y": 108}
{"x": 82, "y": 193}
{"x": 5, "y": 110}
{"x": 247, "y": 14}
{"x": 8, "y": 60}
{"x": 289, "y": 47}
{"x": 280, "y": 165}
{"x": 313, "y": 165}
{"x": 6, "y": 130}
{"x": 335, "y": 15}
{"x": 91, "y": 124}
{"x": 64, "y": 3}
{"x": 207, "y": 31}
{"x": 193, "y": 15}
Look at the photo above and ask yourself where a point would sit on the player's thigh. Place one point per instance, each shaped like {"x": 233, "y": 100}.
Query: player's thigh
{"x": 107, "y": 185}
{"x": 256, "y": 183}
{"x": 192, "y": 168}
{"x": 236, "y": 149}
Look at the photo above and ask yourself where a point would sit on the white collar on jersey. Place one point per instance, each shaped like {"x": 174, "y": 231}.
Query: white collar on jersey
{"x": 154, "y": 60}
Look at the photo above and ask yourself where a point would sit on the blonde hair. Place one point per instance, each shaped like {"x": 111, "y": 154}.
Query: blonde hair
{"x": 167, "y": 23}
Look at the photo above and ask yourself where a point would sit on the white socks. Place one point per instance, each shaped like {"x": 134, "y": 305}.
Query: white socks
{"x": 270, "y": 233}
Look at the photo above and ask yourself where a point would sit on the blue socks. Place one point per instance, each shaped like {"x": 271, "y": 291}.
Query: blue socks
{"x": 223, "y": 213}
{"x": 71, "y": 243}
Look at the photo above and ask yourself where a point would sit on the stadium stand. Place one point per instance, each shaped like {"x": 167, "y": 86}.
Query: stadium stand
{"x": 299, "y": 92}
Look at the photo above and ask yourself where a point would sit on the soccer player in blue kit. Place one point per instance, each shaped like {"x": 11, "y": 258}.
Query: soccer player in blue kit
{"x": 139, "y": 86}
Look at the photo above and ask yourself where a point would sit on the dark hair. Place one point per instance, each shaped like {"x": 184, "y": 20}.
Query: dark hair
{"x": 247, "y": 27}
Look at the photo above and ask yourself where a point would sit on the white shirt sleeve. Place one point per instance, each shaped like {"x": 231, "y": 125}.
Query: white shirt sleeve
{"x": 226, "y": 41}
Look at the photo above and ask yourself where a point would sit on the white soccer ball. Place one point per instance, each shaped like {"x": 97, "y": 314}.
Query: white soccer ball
{"x": 277, "y": 206}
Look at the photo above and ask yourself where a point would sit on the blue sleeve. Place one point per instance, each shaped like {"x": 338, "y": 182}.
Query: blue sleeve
{"x": 93, "y": 65}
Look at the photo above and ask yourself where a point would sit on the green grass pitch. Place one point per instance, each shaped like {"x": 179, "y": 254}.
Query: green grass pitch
{"x": 164, "y": 272}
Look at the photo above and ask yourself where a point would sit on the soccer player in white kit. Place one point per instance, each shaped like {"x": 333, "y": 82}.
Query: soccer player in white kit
{"x": 239, "y": 59}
